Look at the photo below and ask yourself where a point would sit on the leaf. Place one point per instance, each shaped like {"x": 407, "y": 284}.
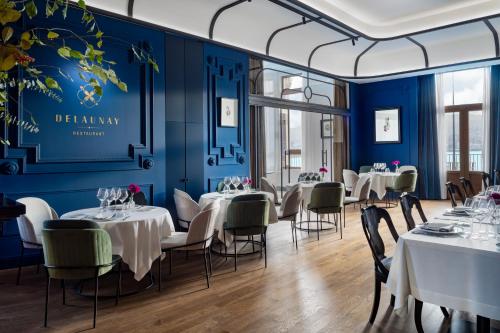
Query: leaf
{"x": 52, "y": 84}
{"x": 7, "y": 33}
{"x": 64, "y": 52}
{"x": 123, "y": 86}
{"x": 99, "y": 43}
{"x": 98, "y": 90}
{"x": 31, "y": 9}
{"x": 8, "y": 63}
{"x": 41, "y": 85}
{"x": 76, "y": 54}
{"x": 8, "y": 15}
{"x": 99, "y": 34}
{"x": 52, "y": 35}
{"x": 81, "y": 4}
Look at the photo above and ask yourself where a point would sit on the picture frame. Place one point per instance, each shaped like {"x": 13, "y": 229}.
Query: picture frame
{"x": 387, "y": 125}
{"x": 327, "y": 129}
{"x": 228, "y": 112}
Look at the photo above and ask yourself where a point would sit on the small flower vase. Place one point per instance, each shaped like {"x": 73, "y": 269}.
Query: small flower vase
{"x": 397, "y": 168}
{"x": 322, "y": 176}
{"x": 131, "y": 202}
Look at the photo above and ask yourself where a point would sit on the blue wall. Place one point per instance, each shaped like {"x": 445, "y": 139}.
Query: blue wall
{"x": 365, "y": 98}
{"x": 167, "y": 134}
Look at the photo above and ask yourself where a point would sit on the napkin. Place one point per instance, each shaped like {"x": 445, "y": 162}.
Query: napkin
{"x": 436, "y": 226}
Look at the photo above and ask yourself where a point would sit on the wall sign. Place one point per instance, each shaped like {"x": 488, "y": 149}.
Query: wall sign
{"x": 228, "y": 112}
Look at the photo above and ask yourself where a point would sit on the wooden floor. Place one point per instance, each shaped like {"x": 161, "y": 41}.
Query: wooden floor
{"x": 324, "y": 286}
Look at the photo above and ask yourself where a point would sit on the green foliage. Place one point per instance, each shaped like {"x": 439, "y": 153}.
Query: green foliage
{"x": 88, "y": 58}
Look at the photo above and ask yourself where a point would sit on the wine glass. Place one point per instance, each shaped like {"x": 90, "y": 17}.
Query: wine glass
{"x": 115, "y": 194}
{"x": 236, "y": 182}
{"x": 227, "y": 183}
{"x": 245, "y": 183}
{"x": 123, "y": 195}
{"x": 102, "y": 195}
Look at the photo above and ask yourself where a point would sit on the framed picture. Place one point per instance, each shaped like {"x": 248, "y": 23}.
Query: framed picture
{"x": 228, "y": 112}
{"x": 388, "y": 125}
{"x": 327, "y": 128}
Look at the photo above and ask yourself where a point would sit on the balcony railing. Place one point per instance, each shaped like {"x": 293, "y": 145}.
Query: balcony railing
{"x": 475, "y": 161}
{"x": 295, "y": 159}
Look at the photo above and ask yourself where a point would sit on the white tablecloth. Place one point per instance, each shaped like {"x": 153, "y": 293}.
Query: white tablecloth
{"x": 225, "y": 200}
{"x": 461, "y": 274}
{"x": 136, "y": 236}
{"x": 380, "y": 180}
{"x": 307, "y": 188}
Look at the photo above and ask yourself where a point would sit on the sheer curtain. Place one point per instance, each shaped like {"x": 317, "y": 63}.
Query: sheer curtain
{"x": 442, "y": 133}
{"x": 486, "y": 120}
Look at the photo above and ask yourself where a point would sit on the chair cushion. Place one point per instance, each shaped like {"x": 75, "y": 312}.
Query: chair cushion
{"x": 177, "y": 239}
{"x": 349, "y": 200}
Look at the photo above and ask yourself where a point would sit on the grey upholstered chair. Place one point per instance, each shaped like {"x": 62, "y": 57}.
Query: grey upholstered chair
{"x": 327, "y": 198}
{"x": 406, "y": 182}
{"x": 267, "y": 186}
{"x": 185, "y": 207}
{"x": 365, "y": 168}
{"x": 290, "y": 207}
{"x": 350, "y": 180}
{"x": 361, "y": 192}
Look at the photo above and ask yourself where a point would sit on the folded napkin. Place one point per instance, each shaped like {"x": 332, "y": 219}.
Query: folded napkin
{"x": 436, "y": 226}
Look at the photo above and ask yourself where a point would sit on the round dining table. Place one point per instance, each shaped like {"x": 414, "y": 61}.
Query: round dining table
{"x": 380, "y": 180}
{"x": 135, "y": 233}
{"x": 307, "y": 187}
{"x": 225, "y": 200}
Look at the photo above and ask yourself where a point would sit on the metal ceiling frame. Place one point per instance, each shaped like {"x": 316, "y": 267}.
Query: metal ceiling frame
{"x": 275, "y": 32}
{"x": 356, "y": 63}
{"x": 323, "y": 17}
{"x": 495, "y": 36}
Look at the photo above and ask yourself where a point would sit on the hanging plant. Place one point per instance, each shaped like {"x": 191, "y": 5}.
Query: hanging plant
{"x": 88, "y": 58}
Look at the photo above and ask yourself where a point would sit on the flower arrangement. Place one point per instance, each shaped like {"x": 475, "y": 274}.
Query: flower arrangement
{"x": 396, "y": 163}
{"x": 495, "y": 196}
{"x": 323, "y": 170}
{"x": 21, "y": 71}
{"x": 134, "y": 188}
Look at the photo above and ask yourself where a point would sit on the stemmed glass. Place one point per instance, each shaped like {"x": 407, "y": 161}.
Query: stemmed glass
{"x": 123, "y": 195}
{"x": 236, "y": 182}
{"x": 115, "y": 194}
{"x": 102, "y": 195}
{"x": 227, "y": 184}
{"x": 245, "y": 182}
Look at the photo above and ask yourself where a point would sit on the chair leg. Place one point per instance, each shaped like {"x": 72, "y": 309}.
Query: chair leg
{"x": 19, "y": 268}
{"x": 63, "y": 286}
{"x": 96, "y": 290}
{"x": 206, "y": 266}
{"x": 296, "y": 239}
{"x": 119, "y": 283}
{"x": 265, "y": 250}
{"x": 209, "y": 260}
{"x": 253, "y": 245}
{"x": 344, "y": 216}
{"x": 235, "y": 253}
{"x": 291, "y": 227}
{"x": 341, "y": 236}
{"x": 47, "y": 287}
{"x": 159, "y": 272}
{"x": 445, "y": 312}
{"x": 393, "y": 300}
{"x": 376, "y": 299}
{"x": 317, "y": 225}
{"x": 418, "y": 315}
{"x": 225, "y": 246}
{"x": 483, "y": 324}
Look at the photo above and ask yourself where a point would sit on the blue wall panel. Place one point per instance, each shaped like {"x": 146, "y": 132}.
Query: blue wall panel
{"x": 368, "y": 97}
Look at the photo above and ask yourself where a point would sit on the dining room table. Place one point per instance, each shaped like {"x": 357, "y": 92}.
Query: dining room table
{"x": 135, "y": 233}
{"x": 452, "y": 270}
{"x": 381, "y": 180}
{"x": 307, "y": 187}
{"x": 225, "y": 200}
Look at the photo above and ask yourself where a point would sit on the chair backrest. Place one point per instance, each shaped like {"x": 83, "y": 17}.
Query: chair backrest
{"x": 452, "y": 190}
{"x": 350, "y": 179}
{"x": 486, "y": 180}
{"x": 75, "y": 249}
{"x": 31, "y": 224}
{"x": 407, "y": 168}
{"x": 139, "y": 198}
{"x": 290, "y": 205}
{"x": 185, "y": 207}
{"x": 407, "y": 203}
{"x": 248, "y": 214}
{"x": 467, "y": 186}
{"x": 363, "y": 187}
{"x": 370, "y": 219}
{"x": 365, "y": 168}
{"x": 327, "y": 198}
{"x": 290, "y": 191}
{"x": 202, "y": 226}
{"x": 406, "y": 181}
{"x": 266, "y": 186}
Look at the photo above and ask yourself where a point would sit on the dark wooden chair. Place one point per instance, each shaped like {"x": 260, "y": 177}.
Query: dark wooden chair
{"x": 467, "y": 186}
{"x": 409, "y": 201}
{"x": 452, "y": 190}
{"x": 370, "y": 219}
{"x": 486, "y": 180}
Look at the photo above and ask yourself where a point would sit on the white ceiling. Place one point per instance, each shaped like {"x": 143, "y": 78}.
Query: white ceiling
{"x": 249, "y": 26}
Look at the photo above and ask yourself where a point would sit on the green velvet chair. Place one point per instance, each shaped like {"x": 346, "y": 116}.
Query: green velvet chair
{"x": 365, "y": 168}
{"x": 327, "y": 198}
{"x": 406, "y": 182}
{"x": 77, "y": 250}
{"x": 248, "y": 215}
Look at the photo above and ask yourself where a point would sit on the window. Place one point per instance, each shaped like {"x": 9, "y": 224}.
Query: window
{"x": 463, "y": 94}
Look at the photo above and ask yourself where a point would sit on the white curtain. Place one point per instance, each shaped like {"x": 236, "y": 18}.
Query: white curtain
{"x": 486, "y": 120}
{"x": 442, "y": 134}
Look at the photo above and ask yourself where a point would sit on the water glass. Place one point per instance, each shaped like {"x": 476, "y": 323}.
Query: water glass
{"x": 102, "y": 195}
{"x": 227, "y": 184}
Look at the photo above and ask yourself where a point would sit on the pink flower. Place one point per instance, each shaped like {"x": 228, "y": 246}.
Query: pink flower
{"x": 396, "y": 162}
{"x": 495, "y": 196}
{"x": 323, "y": 170}
{"x": 249, "y": 181}
{"x": 134, "y": 188}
